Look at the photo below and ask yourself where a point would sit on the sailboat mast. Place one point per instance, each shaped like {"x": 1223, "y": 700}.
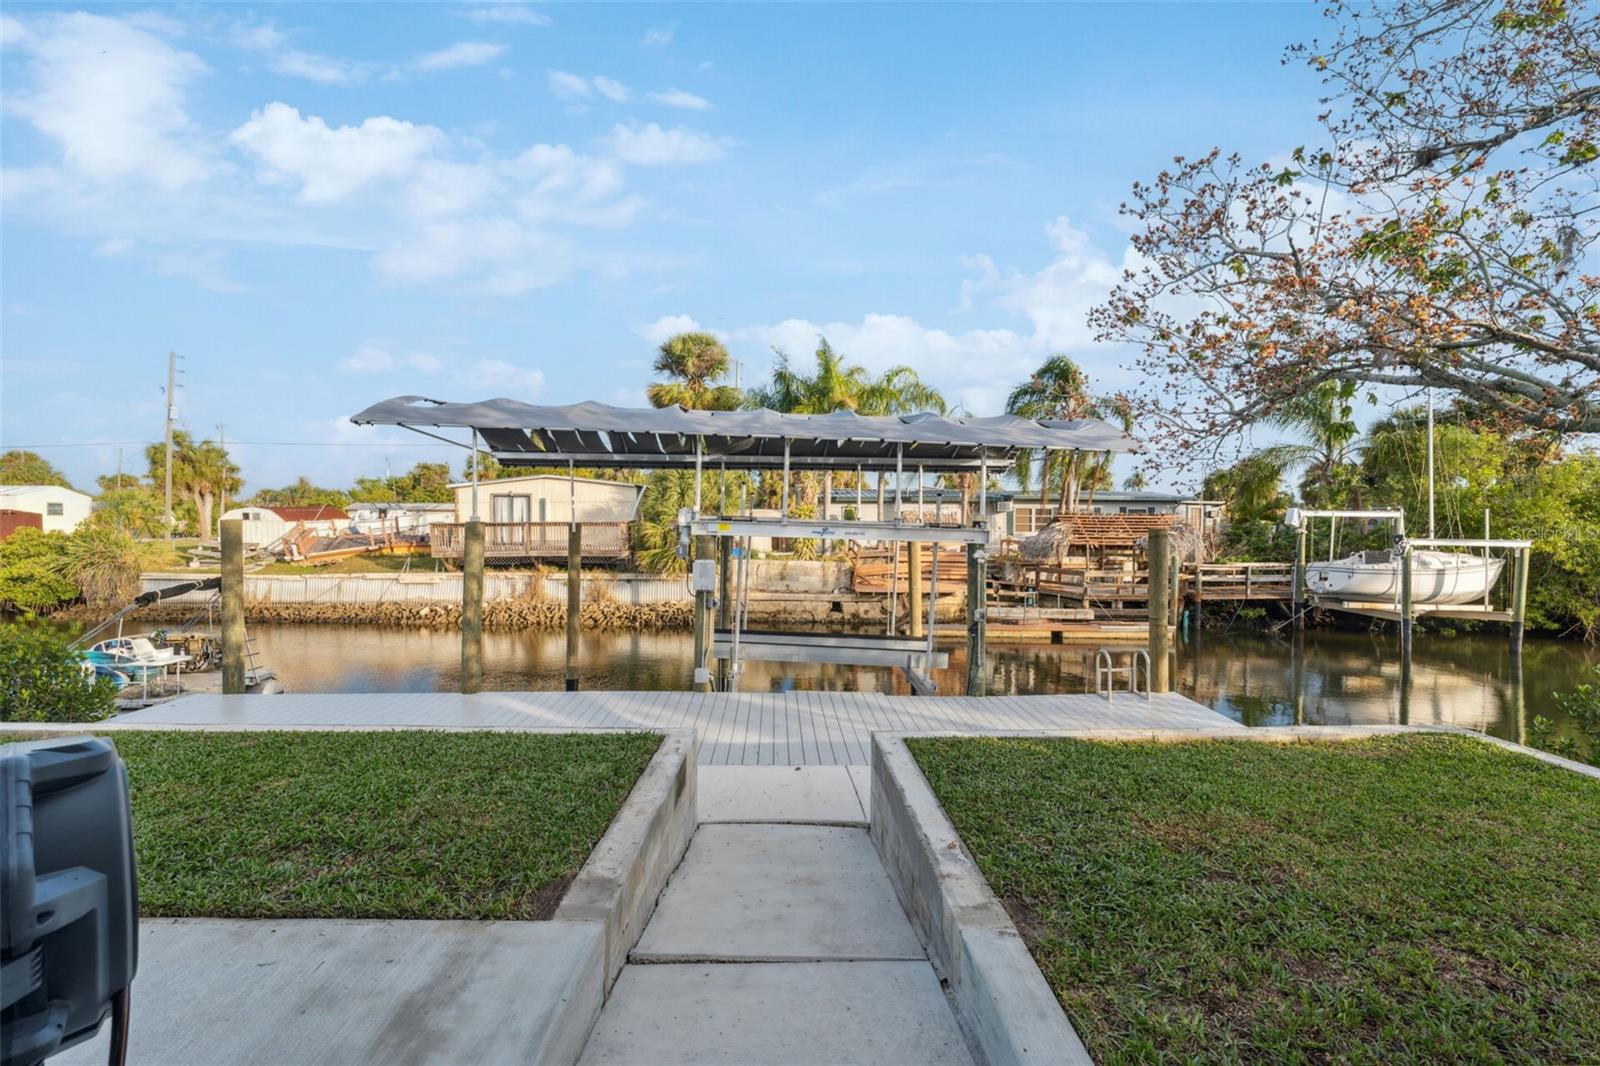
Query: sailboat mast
{"x": 1430, "y": 464}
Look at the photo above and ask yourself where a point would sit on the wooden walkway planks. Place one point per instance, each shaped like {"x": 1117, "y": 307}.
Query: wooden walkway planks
{"x": 744, "y": 728}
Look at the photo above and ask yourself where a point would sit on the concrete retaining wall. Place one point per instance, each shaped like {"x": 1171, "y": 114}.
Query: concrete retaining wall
{"x": 577, "y": 954}
{"x": 1001, "y": 999}
{"x": 433, "y": 587}
{"x": 627, "y": 870}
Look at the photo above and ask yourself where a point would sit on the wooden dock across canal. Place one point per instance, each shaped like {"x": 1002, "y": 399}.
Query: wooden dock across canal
{"x": 739, "y": 728}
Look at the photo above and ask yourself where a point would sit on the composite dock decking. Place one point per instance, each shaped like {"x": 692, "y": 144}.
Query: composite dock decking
{"x": 741, "y": 728}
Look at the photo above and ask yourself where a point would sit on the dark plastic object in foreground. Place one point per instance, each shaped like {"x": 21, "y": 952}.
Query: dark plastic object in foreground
{"x": 68, "y": 897}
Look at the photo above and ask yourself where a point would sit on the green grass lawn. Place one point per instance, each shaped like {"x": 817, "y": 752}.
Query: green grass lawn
{"x": 370, "y": 825}
{"x": 1418, "y": 898}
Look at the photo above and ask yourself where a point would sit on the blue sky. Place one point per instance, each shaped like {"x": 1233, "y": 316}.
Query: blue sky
{"x": 323, "y": 206}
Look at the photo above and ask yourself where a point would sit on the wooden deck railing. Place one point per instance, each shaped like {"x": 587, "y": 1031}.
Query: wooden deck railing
{"x": 532, "y": 540}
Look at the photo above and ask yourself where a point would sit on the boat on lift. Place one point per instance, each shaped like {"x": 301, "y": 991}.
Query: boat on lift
{"x": 1437, "y": 577}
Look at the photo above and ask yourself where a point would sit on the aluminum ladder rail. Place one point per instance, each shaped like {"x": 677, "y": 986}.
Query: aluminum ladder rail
{"x": 1106, "y": 673}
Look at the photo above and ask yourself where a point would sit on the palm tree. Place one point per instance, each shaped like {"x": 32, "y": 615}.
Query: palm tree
{"x": 837, "y": 385}
{"x": 693, "y": 363}
{"x": 201, "y": 473}
{"x": 1324, "y": 417}
{"x": 1058, "y": 390}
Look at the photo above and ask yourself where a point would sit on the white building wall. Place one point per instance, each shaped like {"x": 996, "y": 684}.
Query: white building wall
{"x": 550, "y": 498}
{"x": 61, "y": 509}
{"x": 261, "y": 526}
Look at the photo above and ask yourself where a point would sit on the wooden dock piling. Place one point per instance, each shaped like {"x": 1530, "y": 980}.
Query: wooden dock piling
{"x": 1298, "y": 597}
{"x": 574, "y": 602}
{"x": 1159, "y": 559}
{"x": 977, "y": 619}
{"x": 233, "y": 631}
{"x": 1407, "y": 611}
{"x": 1519, "y": 599}
{"x": 472, "y": 608}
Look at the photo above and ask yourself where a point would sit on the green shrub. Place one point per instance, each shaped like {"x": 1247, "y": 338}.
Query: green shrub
{"x": 30, "y": 571}
{"x": 42, "y": 679}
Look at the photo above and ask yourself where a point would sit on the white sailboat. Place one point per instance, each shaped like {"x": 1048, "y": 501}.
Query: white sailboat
{"x": 1436, "y": 576}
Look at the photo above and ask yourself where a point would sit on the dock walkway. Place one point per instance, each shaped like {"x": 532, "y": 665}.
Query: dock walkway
{"x": 739, "y": 728}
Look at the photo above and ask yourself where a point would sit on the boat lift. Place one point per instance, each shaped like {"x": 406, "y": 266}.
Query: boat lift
{"x": 1403, "y": 608}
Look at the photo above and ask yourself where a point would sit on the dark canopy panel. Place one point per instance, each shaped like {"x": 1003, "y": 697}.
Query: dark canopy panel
{"x": 599, "y": 435}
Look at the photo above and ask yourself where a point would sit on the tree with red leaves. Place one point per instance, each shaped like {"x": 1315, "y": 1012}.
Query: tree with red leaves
{"x": 1444, "y": 238}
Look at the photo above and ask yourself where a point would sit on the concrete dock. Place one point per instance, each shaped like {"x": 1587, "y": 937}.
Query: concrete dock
{"x": 738, "y": 729}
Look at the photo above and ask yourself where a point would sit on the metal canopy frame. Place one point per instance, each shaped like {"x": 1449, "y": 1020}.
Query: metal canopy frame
{"x": 837, "y": 529}
{"x": 598, "y": 435}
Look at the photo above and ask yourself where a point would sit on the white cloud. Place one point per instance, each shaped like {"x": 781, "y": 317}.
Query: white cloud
{"x": 503, "y": 379}
{"x": 460, "y": 54}
{"x": 201, "y": 266}
{"x": 975, "y": 367}
{"x": 569, "y": 86}
{"x": 333, "y": 163}
{"x": 111, "y": 95}
{"x": 651, "y": 146}
{"x": 510, "y": 14}
{"x": 1057, "y": 299}
{"x": 659, "y": 36}
{"x": 283, "y": 58}
{"x": 667, "y": 326}
{"x": 568, "y": 186}
{"x": 113, "y": 247}
{"x": 500, "y": 255}
{"x": 441, "y": 188}
{"x": 374, "y": 358}
{"x": 612, "y": 89}
{"x": 680, "y": 98}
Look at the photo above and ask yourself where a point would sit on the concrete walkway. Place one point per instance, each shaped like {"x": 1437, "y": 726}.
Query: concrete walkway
{"x": 778, "y": 939}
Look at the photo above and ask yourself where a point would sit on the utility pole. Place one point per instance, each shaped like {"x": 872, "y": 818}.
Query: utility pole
{"x": 172, "y": 384}
{"x": 222, "y": 443}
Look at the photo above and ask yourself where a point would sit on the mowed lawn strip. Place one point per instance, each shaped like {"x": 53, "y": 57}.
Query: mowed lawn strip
{"x": 408, "y": 824}
{"x": 1413, "y": 898}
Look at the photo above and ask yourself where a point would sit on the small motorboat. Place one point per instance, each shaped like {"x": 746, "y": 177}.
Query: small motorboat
{"x": 135, "y": 657}
{"x": 1436, "y": 577}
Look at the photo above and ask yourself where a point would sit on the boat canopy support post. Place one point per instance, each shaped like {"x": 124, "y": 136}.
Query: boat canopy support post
{"x": 914, "y": 589}
{"x": 724, "y": 601}
{"x": 233, "y": 634}
{"x": 977, "y": 637}
{"x": 704, "y": 548}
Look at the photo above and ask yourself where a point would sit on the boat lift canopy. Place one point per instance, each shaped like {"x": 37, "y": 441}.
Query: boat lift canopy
{"x": 598, "y": 435}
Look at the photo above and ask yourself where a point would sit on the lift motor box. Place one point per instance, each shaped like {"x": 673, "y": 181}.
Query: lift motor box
{"x": 703, "y": 578}
{"x": 68, "y": 898}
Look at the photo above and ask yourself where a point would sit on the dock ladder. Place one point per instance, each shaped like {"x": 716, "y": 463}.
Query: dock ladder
{"x": 1106, "y": 673}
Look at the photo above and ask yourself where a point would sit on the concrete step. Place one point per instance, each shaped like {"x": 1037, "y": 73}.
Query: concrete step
{"x": 775, "y": 893}
{"x": 797, "y": 794}
{"x": 834, "y": 1012}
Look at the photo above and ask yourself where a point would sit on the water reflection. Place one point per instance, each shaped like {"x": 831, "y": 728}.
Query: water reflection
{"x": 1316, "y": 678}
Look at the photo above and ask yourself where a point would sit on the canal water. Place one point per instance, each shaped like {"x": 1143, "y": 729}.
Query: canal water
{"x": 1323, "y": 678}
